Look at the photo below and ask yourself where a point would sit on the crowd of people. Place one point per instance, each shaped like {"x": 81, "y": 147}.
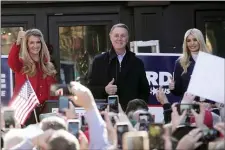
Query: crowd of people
{"x": 193, "y": 123}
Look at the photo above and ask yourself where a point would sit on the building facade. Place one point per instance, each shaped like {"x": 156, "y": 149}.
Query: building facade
{"x": 77, "y": 31}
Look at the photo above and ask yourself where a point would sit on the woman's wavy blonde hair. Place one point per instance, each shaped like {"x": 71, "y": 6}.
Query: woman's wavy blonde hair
{"x": 29, "y": 66}
{"x": 185, "y": 58}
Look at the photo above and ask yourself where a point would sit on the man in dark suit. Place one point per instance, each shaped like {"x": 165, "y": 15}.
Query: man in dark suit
{"x": 119, "y": 71}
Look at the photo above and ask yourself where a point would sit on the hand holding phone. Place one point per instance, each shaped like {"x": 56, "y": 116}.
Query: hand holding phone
{"x": 74, "y": 127}
{"x": 121, "y": 128}
{"x": 188, "y": 107}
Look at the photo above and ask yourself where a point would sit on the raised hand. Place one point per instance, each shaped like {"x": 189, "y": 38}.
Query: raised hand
{"x": 171, "y": 84}
{"x": 161, "y": 96}
{"x": 188, "y": 98}
{"x": 191, "y": 140}
{"x": 20, "y": 36}
{"x": 110, "y": 88}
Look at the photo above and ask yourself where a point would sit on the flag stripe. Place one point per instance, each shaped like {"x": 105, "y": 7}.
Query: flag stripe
{"x": 25, "y": 116}
{"x": 19, "y": 107}
{"x": 24, "y": 103}
{"x": 25, "y": 109}
{"x": 24, "y": 106}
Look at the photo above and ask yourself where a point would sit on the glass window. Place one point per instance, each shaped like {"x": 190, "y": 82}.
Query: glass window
{"x": 8, "y": 35}
{"x": 78, "y": 45}
{"x": 215, "y": 35}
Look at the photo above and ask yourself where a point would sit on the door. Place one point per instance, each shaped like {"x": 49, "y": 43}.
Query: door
{"x": 10, "y": 26}
{"x": 76, "y": 40}
{"x": 212, "y": 24}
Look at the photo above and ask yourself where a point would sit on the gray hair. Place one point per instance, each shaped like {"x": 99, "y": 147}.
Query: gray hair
{"x": 63, "y": 140}
{"x": 120, "y": 25}
{"x": 53, "y": 122}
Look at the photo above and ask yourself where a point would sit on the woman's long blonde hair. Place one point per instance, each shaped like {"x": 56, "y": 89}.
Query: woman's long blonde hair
{"x": 29, "y": 66}
{"x": 185, "y": 58}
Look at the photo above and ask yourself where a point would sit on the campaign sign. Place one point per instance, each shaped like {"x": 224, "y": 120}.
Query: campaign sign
{"x": 6, "y": 81}
{"x": 159, "y": 68}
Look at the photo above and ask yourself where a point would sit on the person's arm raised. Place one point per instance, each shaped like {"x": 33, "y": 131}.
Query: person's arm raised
{"x": 13, "y": 59}
{"x": 97, "y": 127}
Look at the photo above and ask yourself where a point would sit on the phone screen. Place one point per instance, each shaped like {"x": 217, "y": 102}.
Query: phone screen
{"x": 121, "y": 129}
{"x": 188, "y": 107}
{"x": 144, "y": 120}
{"x": 9, "y": 118}
{"x": 73, "y": 128}
{"x": 156, "y": 132}
{"x": 145, "y": 116}
{"x": 63, "y": 89}
{"x": 113, "y": 104}
{"x": 63, "y": 103}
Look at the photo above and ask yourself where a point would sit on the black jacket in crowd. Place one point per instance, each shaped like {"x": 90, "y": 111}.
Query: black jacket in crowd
{"x": 130, "y": 77}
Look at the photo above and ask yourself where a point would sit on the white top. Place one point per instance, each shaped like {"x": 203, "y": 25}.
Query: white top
{"x": 194, "y": 56}
{"x": 120, "y": 57}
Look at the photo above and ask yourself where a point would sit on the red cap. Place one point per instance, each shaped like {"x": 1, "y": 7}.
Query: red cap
{"x": 208, "y": 120}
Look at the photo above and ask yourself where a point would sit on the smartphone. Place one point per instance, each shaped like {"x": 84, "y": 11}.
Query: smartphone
{"x": 60, "y": 90}
{"x": 63, "y": 103}
{"x": 9, "y": 118}
{"x": 74, "y": 127}
{"x": 188, "y": 107}
{"x": 113, "y": 101}
{"x": 210, "y": 135}
{"x": 156, "y": 132}
{"x": 121, "y": 128}
{"x": 144, "y": 120}
{"x": 146, "y": 117}
{"x": 46, "y": 115}
{"x": 136, "y": 140}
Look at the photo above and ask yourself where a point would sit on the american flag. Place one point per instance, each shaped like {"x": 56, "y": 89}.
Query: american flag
{"x": 24, "y": 103}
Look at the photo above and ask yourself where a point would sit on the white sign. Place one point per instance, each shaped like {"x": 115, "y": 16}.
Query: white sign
{"x": 207, "y": 80}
